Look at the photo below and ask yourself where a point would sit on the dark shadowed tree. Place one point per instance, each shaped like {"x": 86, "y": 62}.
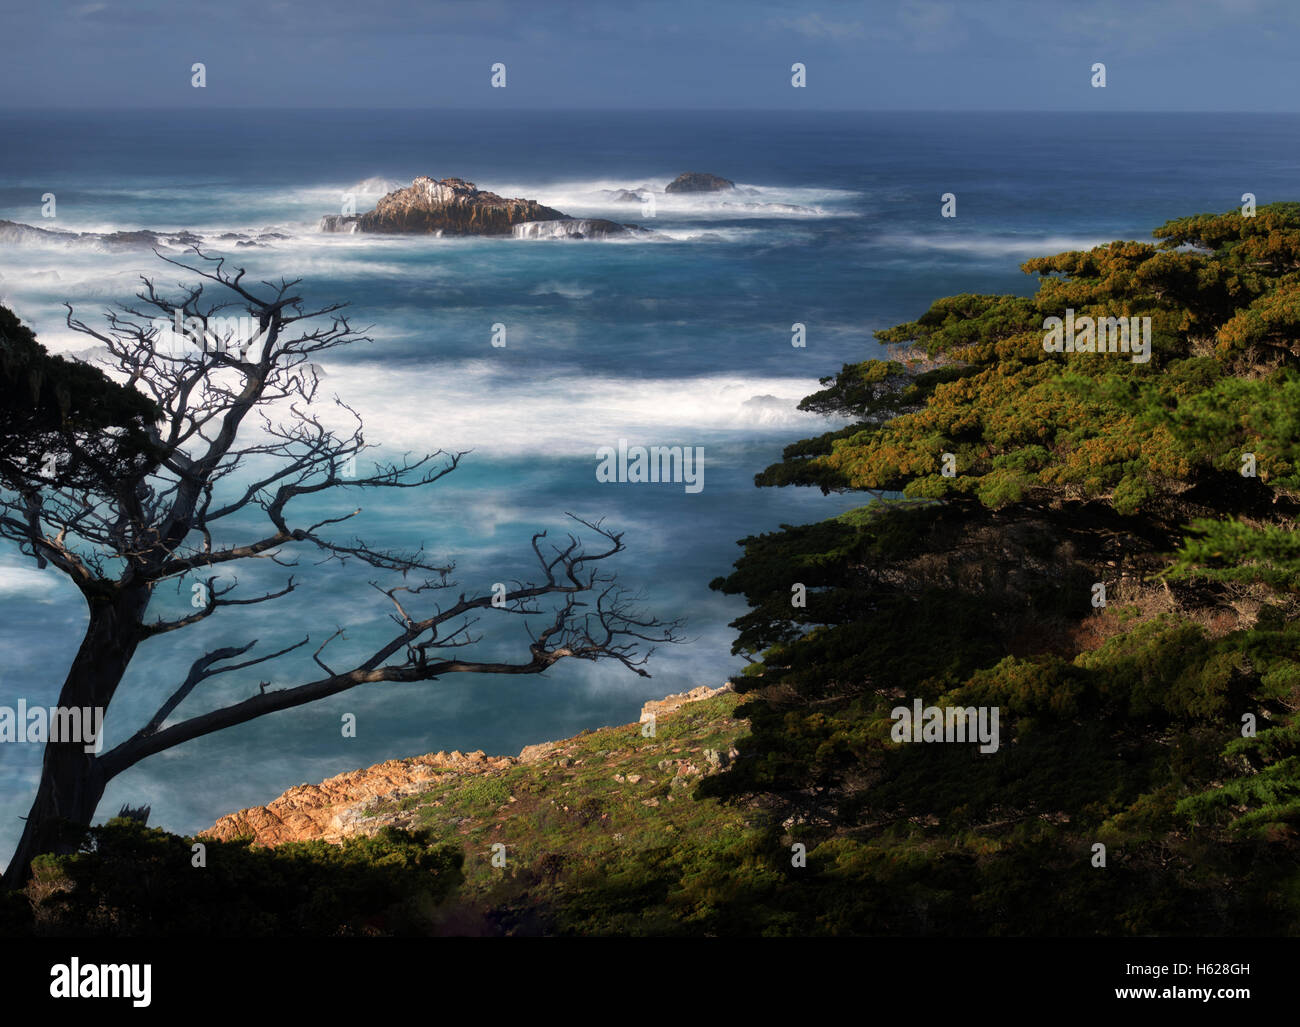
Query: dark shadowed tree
{"x": 1159, "y": 718}
{"x": 234, "y": 435}
{"x": 53, "y": 410}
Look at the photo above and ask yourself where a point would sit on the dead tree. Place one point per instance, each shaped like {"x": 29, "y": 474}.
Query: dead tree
{"x": 164, "y": 511}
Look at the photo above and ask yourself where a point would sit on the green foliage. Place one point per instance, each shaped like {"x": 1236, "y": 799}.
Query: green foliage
{"x": 1024, "y": 424}
{"x": 50, "y": 406}
{"x": 1233, "y": 551}
{"x": 130, "y": 880}
{"x": 1122, "y": 725}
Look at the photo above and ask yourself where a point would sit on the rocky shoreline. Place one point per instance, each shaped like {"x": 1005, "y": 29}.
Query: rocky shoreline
{"x": 344, "y": 805}
{"x": 15, "y": 233}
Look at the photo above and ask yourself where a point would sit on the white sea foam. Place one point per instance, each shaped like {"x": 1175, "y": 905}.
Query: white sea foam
{"x": 488, "y": 406}
{"x": 295, "y": 212}
{"x": 704, "y": 233}
{"x": 568, "y": 290}
{"x": 992, "y": 246}
{"x": 25, "y": 580}
{"x": 592, "y": 197}
{"x": 477, "y": 405}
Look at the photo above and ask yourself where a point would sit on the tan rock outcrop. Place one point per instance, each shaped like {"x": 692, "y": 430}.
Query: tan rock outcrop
{"x": 669, "y": 703}
{"x": 447, "y": 206}
{"x": 336, "y": 808}
{"x": 322, "y": 811}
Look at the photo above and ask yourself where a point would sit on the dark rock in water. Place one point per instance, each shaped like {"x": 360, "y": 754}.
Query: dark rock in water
{"x": 575, "y": 228}
{"x": 140, "y": 237}
{"x": 346, "y": 223}
{"x": 626, "y": 195}
{"x": 450, "y": 205}
{"x": 699, "y": 182}
{"x": 16, "y": 233}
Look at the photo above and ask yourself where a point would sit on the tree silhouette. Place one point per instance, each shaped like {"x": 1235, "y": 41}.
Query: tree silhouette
{"x": 155, "y": 512}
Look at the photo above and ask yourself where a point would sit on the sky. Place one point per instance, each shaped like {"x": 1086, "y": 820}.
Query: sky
{"x": 1165, "y": 55}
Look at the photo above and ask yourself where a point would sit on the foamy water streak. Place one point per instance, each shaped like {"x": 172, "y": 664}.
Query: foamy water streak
{"x": 472, "y": 405}
{"x": 992, "y": 246}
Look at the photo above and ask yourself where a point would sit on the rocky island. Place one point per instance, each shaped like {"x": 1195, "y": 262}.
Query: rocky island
{"x": 453, "y": 206}
{"x": 699, "y": 182}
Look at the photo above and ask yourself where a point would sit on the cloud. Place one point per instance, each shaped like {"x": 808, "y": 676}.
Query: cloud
{"x": 930, "y": 26}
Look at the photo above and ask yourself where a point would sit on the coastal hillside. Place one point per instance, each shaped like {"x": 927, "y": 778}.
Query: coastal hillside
{"x": 567, "y": 812}
{"x": 423, "y": 791}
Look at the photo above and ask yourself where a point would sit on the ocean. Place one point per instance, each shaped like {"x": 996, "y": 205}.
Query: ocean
{"x": 678, "y": 338}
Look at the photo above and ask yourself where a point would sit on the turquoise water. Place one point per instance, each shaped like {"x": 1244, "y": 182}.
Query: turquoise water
{"x": 679, "y": 339}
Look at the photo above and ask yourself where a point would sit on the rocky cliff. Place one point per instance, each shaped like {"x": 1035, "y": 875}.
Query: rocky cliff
{"x": 394, "y": 792}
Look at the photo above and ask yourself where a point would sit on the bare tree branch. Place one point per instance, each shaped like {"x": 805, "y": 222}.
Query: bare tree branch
{"x": 241, "y": 435}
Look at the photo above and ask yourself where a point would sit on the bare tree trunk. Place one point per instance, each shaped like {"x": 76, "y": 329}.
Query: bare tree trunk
{"x": 73, "y": 780}
{"x": 70, "y": 790}
{"x": 144, "y": 514}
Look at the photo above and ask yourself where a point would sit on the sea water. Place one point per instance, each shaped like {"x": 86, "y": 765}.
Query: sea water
{"x": 680, "y": 338}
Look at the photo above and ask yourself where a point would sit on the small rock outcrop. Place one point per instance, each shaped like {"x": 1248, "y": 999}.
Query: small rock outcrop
{"x": 14, "y": 233}
{"x": 672, "y": 703}
{"x": 325, "y": 810}
{"x": 627, "y": 195}
{"x": 345, "y": 224}
{"x": 699, "y": 182}
{"x": 450, "y": 206}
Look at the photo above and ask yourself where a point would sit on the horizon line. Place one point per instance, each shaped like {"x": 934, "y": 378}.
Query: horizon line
{"x": 194, "y": 109}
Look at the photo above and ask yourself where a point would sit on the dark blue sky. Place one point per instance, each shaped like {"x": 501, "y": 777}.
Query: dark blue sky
{"x": 893, "y": 54}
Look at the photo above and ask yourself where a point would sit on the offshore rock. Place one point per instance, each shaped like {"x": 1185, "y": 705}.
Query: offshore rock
{"x": 14, "y": 233}
{"x": 345, "y": 223}
{"x": 699, "y": 182}
{"x": 451, "y": 206}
